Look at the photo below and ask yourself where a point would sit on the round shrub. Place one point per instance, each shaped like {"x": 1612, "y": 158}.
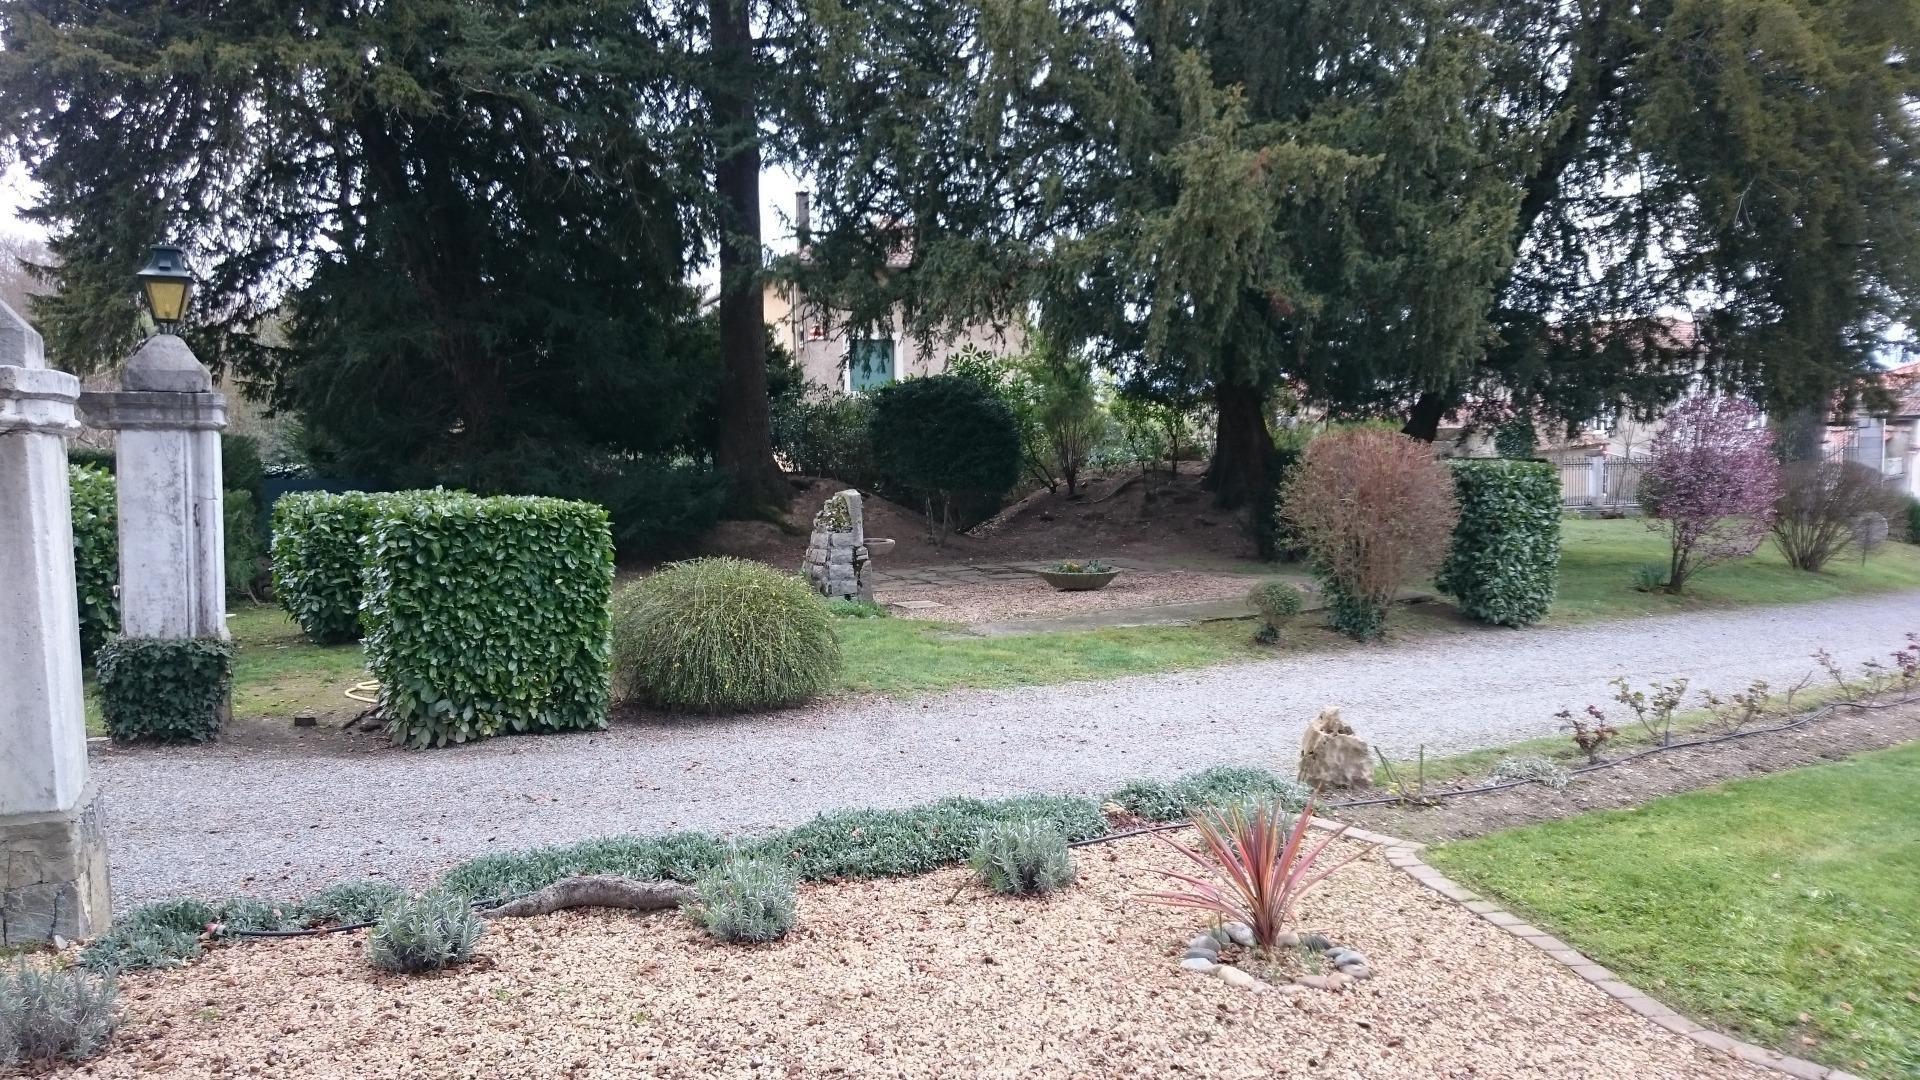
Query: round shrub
{"x": 425, "y": 933}
{"x": 720, "y": 635}
{"x": 944, "y": 438}
{"x": 744, "y": 900}
{"x": 1275, "y": 602}
{"x": 1025, "y": 858}
{"x": 1504, "y": 562}
{"x": 1374, "y": 511}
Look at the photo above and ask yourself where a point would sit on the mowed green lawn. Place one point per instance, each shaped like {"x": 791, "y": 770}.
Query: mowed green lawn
{"x": 1598, "y": 560}
{"x": 1785, "y": 909}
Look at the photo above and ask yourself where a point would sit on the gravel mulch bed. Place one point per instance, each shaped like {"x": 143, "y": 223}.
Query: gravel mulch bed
{"x": 889, "y": 979}
{"x": 1035, "y": 599}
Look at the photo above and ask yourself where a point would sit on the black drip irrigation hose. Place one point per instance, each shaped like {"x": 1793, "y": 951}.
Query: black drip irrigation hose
{"x": 1483, "y": 789}
{"x": 1660, "y": 748}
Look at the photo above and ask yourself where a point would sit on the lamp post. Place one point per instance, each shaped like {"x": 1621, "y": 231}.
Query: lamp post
{"x": 166, "y": 284}
{"x": 167, "y": 419}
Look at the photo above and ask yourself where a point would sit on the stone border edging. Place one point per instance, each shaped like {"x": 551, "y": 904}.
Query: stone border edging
{"x": 1404, "y": 855}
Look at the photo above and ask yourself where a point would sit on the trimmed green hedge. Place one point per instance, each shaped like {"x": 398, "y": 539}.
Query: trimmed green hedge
{"x": 317, "y": 562}
{"x": 1504, "y": 565}
{"x": 169, "y": 690}
{"x": 722, "y": 635}
{"x": 487, "y": 615}
{"x": 96, "y": 555}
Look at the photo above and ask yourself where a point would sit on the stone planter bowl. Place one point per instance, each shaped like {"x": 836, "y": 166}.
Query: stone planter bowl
{"x": 879, "y": 545}
{"x": 1078, "y": 582}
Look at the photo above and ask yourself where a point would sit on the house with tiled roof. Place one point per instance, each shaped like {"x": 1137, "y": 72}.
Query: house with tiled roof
{"x": 1888, "y": 439}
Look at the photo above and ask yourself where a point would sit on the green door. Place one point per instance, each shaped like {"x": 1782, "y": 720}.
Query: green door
{"x": 869, "y": 363}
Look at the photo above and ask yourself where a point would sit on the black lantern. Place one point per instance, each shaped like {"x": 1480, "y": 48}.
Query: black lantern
{"x": 167, "y": 284}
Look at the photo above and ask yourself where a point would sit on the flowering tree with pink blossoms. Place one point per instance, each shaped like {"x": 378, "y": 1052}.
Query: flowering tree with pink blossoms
{"x": 1711, "y": 484}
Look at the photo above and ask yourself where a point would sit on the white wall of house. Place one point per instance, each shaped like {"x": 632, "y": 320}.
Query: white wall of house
{"x": 818, "y": 338}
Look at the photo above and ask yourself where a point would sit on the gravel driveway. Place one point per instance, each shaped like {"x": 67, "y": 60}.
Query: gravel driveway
{"x": 215, "y": 820}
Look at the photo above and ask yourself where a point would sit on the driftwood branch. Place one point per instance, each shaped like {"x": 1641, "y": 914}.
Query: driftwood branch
{"x": 596, "y": 890}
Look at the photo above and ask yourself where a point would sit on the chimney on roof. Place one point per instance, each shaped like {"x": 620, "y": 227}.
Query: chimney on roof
{"x": 803, "y": 217}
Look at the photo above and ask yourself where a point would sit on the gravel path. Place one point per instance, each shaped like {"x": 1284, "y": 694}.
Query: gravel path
{"x": 212, "y": 820}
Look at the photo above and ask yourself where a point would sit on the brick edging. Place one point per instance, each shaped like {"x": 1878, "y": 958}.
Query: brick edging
{"x": 1404, "y": 855}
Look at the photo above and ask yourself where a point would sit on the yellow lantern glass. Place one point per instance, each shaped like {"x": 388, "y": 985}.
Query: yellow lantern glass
{"x": 167, "y": 285}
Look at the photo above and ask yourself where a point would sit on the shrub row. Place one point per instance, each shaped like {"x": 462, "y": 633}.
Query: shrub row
{"x": 96, "y": 554}
{"x": 317, "y": 562}
{"x": 487, "y": 615}
{"x": 1503, "y": 566}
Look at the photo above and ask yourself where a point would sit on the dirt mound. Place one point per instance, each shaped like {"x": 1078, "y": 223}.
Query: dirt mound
{"x": 1153, "y": 518}
{"x": 783, "y": 543}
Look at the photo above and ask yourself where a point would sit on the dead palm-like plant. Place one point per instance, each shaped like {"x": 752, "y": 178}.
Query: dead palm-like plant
{"x": 1258, "y": 865}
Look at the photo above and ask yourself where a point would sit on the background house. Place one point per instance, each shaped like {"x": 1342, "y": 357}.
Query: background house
{"x": 832, "y": 358}
{"x": 1889, "y": 440}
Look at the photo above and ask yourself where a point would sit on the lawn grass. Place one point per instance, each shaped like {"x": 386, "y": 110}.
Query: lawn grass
{"x": 896, "y": 656}
{"x": 1784, "y": 908}
{"x": 277, "y": 672}
{"x": 1598, "y": 559}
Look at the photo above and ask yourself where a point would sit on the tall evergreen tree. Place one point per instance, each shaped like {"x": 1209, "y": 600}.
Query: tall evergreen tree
{"x": 437, "y": 229}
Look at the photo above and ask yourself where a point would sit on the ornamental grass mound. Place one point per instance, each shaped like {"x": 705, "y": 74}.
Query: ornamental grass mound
{"x": 722, "y": 635}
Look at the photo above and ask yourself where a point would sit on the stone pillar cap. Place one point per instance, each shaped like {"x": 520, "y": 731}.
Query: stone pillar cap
{"x": 20, "y": 344}
{"x": 164, "y": 363}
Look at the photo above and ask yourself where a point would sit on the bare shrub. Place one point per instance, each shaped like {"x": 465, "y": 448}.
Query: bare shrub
{"x": 1819, "y": 507}
{"x": 1375, "y": 511}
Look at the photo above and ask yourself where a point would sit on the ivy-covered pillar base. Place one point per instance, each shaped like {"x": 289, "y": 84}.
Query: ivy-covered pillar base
{"x": 55, "y": 866}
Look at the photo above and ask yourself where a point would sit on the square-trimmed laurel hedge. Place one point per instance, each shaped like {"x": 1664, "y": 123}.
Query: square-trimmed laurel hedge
{"x": 1504, "y": 565}
{"x": 96, "y": 554}
{"x": 164, "y": 689}
{"x": 317, "y": 561}
{"x": 487, "y": 615}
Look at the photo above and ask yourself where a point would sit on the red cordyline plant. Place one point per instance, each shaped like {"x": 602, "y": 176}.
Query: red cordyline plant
{"x": 1711, "y": 484}
{"x": 1261, "y": 862}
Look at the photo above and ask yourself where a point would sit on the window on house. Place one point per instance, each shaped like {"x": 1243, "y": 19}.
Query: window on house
{"x": 869, "y": 363}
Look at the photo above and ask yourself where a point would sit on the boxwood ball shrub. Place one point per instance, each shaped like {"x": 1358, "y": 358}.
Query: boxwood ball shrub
{"x": 486, "y": 616}
{"x": 945, "y": 439}
{"x": 722, "y": 635}
{"x": 96, "y": 554}
{"x": 1275, "y": 602}
{"x": 166, "y": 690}
{"x": 1504, "y": 562}
{"x": 317, "y": 562}
{"x": 744, "y": 899}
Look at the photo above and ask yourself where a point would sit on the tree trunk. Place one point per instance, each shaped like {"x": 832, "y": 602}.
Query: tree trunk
{"x": 596, "y": 890}
{"x": 1242, "y": 445}
{"x": 744, "y": 448}
{"x": 1423, "y": 422}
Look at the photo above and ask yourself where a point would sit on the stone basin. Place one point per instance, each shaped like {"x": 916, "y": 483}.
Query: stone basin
{"x": 879, "y": 545}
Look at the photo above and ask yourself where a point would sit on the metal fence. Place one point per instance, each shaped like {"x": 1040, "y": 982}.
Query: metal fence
{"x": 1612, "y": 483}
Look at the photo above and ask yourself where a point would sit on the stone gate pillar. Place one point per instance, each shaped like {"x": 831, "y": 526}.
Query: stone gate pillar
{"x": 53, "y": 858}
{"x": 167, "y": 470}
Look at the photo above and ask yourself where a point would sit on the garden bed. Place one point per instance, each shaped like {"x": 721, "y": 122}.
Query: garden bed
{"x": 1838, "y": 735}
{"x": 890, "y": 978}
